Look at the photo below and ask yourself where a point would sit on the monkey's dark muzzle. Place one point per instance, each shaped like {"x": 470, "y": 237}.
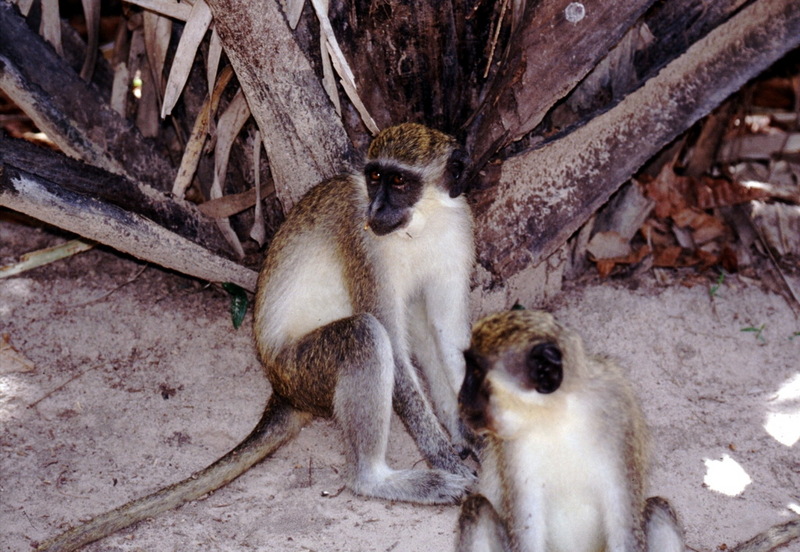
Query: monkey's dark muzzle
{"x": 545, "y": 368}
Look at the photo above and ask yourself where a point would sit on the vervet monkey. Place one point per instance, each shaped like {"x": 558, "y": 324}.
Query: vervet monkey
{"x": 564, "y": 466}
{"x": 362, "y": 263}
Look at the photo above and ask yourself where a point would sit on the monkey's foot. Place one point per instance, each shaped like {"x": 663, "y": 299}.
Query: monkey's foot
{"x": 420, "y": 486}
{"x": 449, "y": 460}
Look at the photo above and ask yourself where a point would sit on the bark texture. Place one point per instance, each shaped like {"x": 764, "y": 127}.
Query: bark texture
{"x": 544, "y": 195}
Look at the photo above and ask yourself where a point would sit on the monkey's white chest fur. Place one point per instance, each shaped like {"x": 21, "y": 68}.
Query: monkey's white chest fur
{"x": 434, "y": 252}
{"x": 564, "y": 483}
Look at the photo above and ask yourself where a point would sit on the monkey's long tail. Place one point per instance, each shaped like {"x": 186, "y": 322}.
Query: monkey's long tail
{"x": 772, "y": 538}
{"x": 279, "y": 423}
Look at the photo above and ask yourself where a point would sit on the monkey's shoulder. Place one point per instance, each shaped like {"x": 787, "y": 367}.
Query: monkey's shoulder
{"x": 338, "y": 195}
{"x": 333, "y": 207}
{"x": 617, "y": 403}
{"x": 608, "y": 374}
{"x": 605, "y": 366}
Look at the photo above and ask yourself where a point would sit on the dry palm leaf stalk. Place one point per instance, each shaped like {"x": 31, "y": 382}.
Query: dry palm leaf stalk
{"x": 194, "y": 147}
{"x": 196, "y": 27}
{"x": 50, "y": 26}
{"x": 228, "y": 128}
{"x": 169, "y": 8}
{"x": 340, "y": 64}
{"x": 259, "y": 231}
{"x": 157, "y": 34}
{"x": 45, "y": 256}
{"x": 91, "y": 11}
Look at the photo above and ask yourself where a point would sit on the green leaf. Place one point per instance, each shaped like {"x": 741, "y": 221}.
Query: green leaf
{"x": 238, "y": 303}
{"x": 758, "y": 331}
{"x": 713, "y": 290}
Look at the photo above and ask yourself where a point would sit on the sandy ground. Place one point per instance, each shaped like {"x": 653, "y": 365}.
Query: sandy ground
{"x": 118, "y": 378}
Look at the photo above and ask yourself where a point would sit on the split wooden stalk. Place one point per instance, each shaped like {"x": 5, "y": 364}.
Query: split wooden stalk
{"x": 228, "y": 128}
{"x": 194, "y": 147}
{"x": 193, "y": 33}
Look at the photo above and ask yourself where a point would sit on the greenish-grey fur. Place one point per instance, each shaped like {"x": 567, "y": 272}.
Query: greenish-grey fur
{"x": 412, "y": 144}
{"x": 344, "y": 367}
{"x": 508, "y": 336}
{"x": 501, "y": 342}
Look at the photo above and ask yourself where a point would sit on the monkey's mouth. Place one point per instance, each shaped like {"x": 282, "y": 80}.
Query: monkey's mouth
{"x": 382, "y": 226}
{"x": 545, "y": 368}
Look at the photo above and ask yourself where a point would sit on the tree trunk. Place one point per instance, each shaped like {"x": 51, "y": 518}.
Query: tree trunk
{"x": 544, "y": 64}
{"x": 545, "y": 195}
{"x": 304, "y": 138}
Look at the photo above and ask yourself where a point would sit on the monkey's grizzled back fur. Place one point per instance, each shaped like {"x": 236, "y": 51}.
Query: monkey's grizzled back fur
{"x": 351, "y": 274}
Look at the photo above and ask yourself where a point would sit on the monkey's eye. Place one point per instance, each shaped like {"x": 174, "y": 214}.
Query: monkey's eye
{"x": 398, "y": 181}
{"x": 374, "y": 176}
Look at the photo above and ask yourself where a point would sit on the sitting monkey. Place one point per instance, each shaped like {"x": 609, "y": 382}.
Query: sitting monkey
{"x": 564, "y": 466}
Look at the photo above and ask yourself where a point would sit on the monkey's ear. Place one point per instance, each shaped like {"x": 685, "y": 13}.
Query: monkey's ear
{"x": 545, "y": 368}
{"x": 455, "y": 174}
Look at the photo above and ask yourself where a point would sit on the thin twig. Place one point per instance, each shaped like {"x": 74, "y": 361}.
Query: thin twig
{"x": 60, "y": 387}
{"x": 496, "y": 37}
{"x": 45, "y": 256}
{"x": 113, "y": 290}
{"x": 776, "y": 266}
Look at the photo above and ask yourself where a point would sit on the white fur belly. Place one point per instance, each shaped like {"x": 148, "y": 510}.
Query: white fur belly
{"x": 560, "y": 482}
{"x": 303, "y": 295}
{"x": 575, "y": 523}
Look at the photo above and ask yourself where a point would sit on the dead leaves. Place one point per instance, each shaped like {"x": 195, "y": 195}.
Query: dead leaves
{"x": 152, "y": 64}
{"x": 696, "y": 218}
{"x": 680, "y": 231}
{"x": 196, "y": 26}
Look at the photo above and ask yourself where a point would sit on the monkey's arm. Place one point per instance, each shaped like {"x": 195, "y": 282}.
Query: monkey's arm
{"x": 446, "y": 301}
{"x": 439, "y": 334}
{"x": 279, "y": 423}
{"x": 480, "y": 528}
{"x": 417, "y": 415}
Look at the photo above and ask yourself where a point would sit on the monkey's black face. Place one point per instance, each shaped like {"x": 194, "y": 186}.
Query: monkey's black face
{"x": 544, "y": 368}
{"x": 473, "y": 398}
{"x": 392, "y": 193}
{"x": 541, "y": 371}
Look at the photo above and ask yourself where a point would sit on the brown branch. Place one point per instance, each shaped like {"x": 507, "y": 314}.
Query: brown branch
{"x": 174, "y": 214}
{"x": 69, "y": 110}
{"x": 62, "y": 195}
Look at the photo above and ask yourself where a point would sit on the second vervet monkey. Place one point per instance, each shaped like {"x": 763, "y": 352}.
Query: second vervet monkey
{"x": 362, "y": 263}
{"x": 564, "y": 468}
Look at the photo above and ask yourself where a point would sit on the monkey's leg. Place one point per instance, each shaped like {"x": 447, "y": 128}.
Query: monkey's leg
{"x": 279, "y": 423}
{"x": 663, "y": 530}
{"x": 439, "y": 328}
{"x": 356, "y": 353}
{"x": 480, "y": 528}
{"x": 417, "y": 415}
